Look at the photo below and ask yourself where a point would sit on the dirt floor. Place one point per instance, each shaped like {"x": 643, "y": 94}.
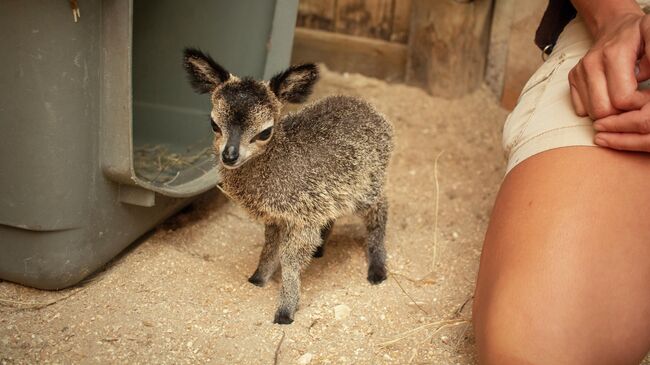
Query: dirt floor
{"x": 180, "y": 295}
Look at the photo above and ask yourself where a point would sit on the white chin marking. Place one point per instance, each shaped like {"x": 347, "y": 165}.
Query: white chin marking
{"x": 232, "y": 167}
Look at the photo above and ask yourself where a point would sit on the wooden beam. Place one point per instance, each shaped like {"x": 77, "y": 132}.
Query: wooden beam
{"x": 448, "y": 43}
{"x": 365, "y": 18}
{"x": 499, "y": 41}
{"x": 523, "y": 55}
{"x": 401, "y": 21}
{"x": 316, "y": 14}
{"x": 344, "y": 53}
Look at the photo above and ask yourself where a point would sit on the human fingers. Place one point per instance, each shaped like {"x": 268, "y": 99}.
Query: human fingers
{"x": 619, "y": 59}
{"x": 636, "y": 121}
{"x": 624, "y": 141}
{"x": 578, "y": 80}
{"x": 593, "y": 73}
{"x": 578, "y": 106}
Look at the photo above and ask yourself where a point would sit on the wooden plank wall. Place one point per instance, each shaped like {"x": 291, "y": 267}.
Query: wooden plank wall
{"x": 360, "y": 36}
{"x": 448, "y": 46}
{"x": 440, "y": 45}
{"x": 344, "y": 53}
{"x": 380, "y": 19}
{"x": 316, "y": 14}
{"x": 523, "y": 57}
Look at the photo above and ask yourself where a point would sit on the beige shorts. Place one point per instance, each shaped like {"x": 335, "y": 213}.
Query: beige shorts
{"x": 544, "y": 118}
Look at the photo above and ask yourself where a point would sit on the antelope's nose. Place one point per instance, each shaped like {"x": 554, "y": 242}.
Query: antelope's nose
{"x": 230, "y": 155}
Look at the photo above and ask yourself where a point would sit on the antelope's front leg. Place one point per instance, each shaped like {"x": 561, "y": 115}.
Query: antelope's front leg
{"x": 375, "y": 219}
{"x": 295, "y": 254}
{"x": 270, "y": 257}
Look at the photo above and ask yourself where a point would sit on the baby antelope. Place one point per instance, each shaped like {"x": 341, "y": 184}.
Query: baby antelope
{"x": 298, "y": 173}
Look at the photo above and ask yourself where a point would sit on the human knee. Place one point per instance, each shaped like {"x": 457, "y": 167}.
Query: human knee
{"x": 521, "y": 330}
{"x": 512, "y": 336}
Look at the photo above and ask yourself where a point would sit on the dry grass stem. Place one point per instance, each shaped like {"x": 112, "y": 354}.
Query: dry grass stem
{"x": 460, "y": 337}
{"x": 408, "y": 295}
{"x": 460, "y": 309}
{"x": 413, "y": 355}
{"x": 158, "y": 165}
{"x": 277, "y": 349}
{"x": 441, "y": 325}
{"x": 435, "y": 213}
{"x": 428, "y": 279}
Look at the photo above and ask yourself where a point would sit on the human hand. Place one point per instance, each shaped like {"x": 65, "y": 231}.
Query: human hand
{"x": 605, "y": 81}
{"x": 629, "y": 131}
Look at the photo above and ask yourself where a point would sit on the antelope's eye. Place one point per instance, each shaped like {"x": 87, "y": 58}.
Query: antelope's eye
{"x": 215, "y": 127}
{"x": 263, "y": 135}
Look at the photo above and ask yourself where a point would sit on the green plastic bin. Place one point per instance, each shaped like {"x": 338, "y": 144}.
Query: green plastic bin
{"x": 101, "y": 136}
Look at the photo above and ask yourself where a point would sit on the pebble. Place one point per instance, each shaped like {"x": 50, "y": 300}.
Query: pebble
{"x": 341, "y": 311}
{"x": 305, "y": 358}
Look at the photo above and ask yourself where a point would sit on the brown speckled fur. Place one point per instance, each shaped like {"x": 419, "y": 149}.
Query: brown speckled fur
{"x": 327, "y": 160}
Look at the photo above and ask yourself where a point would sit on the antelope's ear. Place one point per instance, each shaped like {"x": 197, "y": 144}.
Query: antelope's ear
{"x": 204, "y": 73}
{"x": 296, "y": 83}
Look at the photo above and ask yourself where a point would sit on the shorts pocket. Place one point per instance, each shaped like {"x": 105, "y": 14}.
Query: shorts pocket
{"x": 518, "y": 120}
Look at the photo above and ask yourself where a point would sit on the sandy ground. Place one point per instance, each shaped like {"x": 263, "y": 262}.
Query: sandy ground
{"x": 180, "y": 295}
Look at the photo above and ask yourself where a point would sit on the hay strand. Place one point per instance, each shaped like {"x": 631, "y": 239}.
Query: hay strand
{"x": 408, "y": 295}
{"x": 157, "y": 164}
{"x": 440, "y": 326}
{"x": 277, "y": 349}
{"x": 436, "y": 209}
